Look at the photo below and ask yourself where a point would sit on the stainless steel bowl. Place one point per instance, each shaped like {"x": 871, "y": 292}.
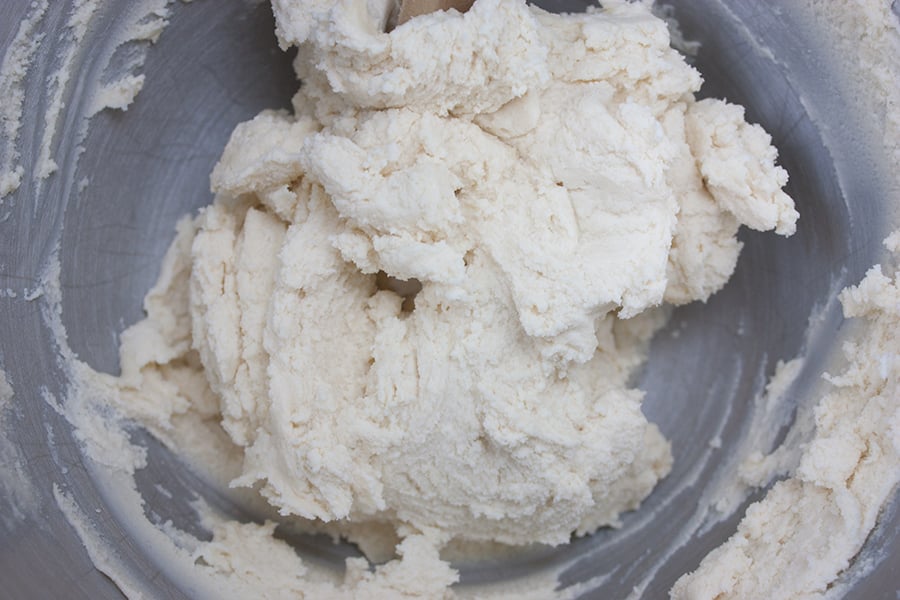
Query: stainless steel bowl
{"x": 217, "y": 64}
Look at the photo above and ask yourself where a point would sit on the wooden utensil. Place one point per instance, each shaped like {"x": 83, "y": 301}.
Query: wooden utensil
{"x": 414, "y": 8}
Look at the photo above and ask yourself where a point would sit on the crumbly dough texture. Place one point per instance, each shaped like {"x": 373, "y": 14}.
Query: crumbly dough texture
{"x": 550, "y": 181}
{"x": 806, "y": 531}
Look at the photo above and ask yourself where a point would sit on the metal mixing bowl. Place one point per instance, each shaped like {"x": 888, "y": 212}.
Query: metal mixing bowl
{"x": 217, "y": 64}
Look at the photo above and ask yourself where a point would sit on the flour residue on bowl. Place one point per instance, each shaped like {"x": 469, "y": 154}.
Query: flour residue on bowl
{"x": 23, "y": 81}
{"x": 821, "y": 516}
{"x": 13, "y": 71}
{"x": 17, "y": 494}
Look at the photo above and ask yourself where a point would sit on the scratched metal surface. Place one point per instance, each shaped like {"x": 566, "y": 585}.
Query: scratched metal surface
{"x": 215, "y": 67}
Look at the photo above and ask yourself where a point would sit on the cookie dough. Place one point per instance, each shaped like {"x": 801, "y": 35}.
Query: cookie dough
{"x": 418, "y": 298}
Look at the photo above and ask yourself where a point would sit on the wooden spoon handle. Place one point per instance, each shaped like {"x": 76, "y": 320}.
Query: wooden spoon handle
{"x": 414, "y": 8}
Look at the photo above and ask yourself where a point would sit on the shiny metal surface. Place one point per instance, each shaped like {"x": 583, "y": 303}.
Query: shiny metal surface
{"x": 216, "y": 65}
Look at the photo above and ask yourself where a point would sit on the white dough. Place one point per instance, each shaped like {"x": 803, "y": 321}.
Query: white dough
{"x": 550, "y": 182}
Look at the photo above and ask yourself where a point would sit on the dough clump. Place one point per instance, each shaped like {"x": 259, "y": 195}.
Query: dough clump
{"x": 548, "y": 181}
